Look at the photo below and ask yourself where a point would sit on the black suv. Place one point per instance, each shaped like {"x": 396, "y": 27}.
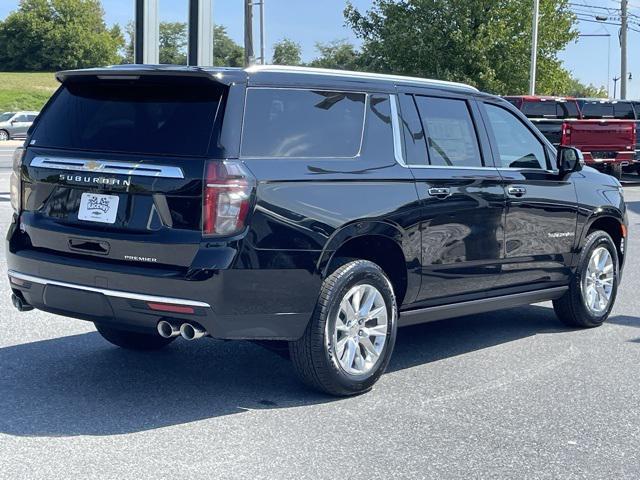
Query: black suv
{"x": 319, "y": 208}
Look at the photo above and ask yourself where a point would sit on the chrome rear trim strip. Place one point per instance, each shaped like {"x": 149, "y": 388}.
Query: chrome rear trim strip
{"x": 108, "y": 166}
{"x": 107, "y": 292}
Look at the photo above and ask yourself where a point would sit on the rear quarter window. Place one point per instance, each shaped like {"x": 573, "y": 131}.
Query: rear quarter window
{"x": 281, "y": 122}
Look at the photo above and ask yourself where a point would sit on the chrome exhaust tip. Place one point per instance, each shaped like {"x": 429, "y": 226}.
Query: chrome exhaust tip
{"x": 192, "y": 332}
{"x": 20, "y": 304}
{"x": 167, "y": 329}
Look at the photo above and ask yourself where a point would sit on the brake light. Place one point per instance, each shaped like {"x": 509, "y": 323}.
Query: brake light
{"x": 227, "y": 197}
{"x": 15, "y": 181}
{"x": 566, "y": 135}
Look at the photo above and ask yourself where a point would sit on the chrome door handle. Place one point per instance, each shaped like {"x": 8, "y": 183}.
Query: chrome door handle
{"x": 439, "y": 192}
{"x": 516, "y": 191}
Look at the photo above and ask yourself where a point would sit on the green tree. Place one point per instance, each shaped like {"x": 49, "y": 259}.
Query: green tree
{"x": 483, "y": 42}
{"x": 338, "y": 54}
{"x": 226, "y": 52}
{"x": 287, "y": 52}
{"x": 57, "y": 34}
{"x": 579, "y": 89}
{"x": 173, "y": 43}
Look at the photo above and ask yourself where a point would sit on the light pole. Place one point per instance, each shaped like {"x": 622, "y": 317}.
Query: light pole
{"x": 615, "y": 85}
{"x": 534, "y": 47}
{"x": 623, "y": 49}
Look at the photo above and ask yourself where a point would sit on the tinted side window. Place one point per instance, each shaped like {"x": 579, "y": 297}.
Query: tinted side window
{"x": 539, "y": 109}
{"x": 597, "y": 110}
{"x": 302, "y": 123}
{"x": 31, "y": 118}
{"x": 378, "y": 135}
{"x": 20, "y": 118}
{"x": 451, "y": 135}
{"x": 414, "y": 140}
{"x": 517, "y": 146}
{"x": 624, "y": 111}
{"x": 567, "y": 110}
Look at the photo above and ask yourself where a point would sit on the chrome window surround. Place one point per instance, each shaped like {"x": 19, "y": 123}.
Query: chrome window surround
{"x": 107, "y": 292}
{"x": 398, "y": 144}
{"x": 108, "y": 166}
{"x": 306, "y": 89}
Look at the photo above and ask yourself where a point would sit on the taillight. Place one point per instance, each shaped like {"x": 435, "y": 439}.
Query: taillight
{"x": 566, "y": 135}
{"x": 226, "y": 198}
{"x": 15, "y": 181}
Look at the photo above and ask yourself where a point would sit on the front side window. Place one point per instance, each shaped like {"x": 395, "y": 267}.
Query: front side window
{"x": 451, "y": 136}
{"x": 5, "y": 117}
{"x": 517, "y": 146}
{"x": 282, "y": 122}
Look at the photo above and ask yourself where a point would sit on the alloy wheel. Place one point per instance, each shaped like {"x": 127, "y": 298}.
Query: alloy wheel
{"x": 598, "y": 281}
{"x": 360, "y": 330}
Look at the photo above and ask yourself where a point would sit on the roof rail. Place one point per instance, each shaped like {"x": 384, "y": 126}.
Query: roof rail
{"x": 362, "y": 75}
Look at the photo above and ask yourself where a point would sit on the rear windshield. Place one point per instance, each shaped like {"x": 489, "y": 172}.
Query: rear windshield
{"x": 539, "y": 109}
{"x": 157, "y": 117}
{"x": 620, "y": 111}
{"x": 551, "y": 109}
{"x": 283, "y": 122}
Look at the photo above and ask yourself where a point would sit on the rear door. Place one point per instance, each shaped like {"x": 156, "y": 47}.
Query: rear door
{"x": 19, "y": 125}
{"x": 114, "y": 169}
{"x": 542, "y": 208}
{"x": 462, "y": 199}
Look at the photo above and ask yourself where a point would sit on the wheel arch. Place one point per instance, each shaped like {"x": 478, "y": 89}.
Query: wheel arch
{"x": 383, "y": 243}
{"x": 611, "y": 222}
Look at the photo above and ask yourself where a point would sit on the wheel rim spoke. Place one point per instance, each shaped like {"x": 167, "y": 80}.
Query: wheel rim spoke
{"x": 360, "y": 329}
{"x": 598, "y": 281}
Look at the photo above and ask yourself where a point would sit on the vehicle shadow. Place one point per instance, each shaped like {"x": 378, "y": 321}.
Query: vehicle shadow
{"x": 627, "y": 321}
{"x": 80, "y": 385}
{"x": 634, "y": 207}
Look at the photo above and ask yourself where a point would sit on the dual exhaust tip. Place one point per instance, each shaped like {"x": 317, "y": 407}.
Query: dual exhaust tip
{"x": 188, "y": 331}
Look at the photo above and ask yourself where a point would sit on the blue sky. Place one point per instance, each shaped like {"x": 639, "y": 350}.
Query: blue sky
{"x": 309, "y": 21}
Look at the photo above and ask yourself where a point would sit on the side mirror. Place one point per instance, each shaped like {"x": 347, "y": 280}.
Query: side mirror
{"x": 569, "y": 160}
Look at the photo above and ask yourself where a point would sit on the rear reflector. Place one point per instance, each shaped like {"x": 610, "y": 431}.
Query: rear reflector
{"x": 168, "y": 307}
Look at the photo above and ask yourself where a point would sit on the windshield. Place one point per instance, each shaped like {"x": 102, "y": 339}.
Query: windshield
{"x": 596, "y": 110}
{"x": 163, "y": 117}
{"x": 6, "y": 116}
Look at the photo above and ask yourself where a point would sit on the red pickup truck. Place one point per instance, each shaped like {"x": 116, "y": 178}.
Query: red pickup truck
{"x": 607, "y": 144}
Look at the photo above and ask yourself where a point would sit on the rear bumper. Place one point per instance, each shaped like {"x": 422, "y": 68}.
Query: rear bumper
{"x": 622, "y": 158}
{"x": 229, "y": 304}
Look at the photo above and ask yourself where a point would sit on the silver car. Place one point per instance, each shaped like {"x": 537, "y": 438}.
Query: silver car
{"x": 15, "y": 124}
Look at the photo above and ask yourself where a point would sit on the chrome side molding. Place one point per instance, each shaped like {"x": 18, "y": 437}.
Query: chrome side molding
{"x": 108, "y": 166}
{"x": 107, "y": 292}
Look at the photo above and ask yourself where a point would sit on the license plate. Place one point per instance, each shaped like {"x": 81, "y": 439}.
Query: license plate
{"x": 603, "y": 155}
{"x": 98, "y": 208}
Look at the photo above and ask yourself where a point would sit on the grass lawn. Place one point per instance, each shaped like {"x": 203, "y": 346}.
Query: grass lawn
{"x": 25, "y": 91}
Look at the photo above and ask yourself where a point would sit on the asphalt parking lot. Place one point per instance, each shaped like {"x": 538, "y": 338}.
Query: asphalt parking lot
{"x": 512, "y": 394}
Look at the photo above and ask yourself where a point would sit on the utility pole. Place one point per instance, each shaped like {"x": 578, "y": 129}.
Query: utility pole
{"x": 623, "y": 49}
{"x": 249, "y": 57}
{"x": 262, "y": 57}
{"x": 534, "y": 47}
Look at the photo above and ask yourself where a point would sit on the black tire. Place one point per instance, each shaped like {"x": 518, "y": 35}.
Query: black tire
{"x": 133, "y": 340}
{"x": 312, "y": 355}
{"x": 571, "y": 308}
{"x": 4, "y": 135}
{"x": 616, "y": 171}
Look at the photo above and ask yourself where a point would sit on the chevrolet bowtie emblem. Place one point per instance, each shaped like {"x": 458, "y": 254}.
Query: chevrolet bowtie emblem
{"x": 92, "y": 165}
